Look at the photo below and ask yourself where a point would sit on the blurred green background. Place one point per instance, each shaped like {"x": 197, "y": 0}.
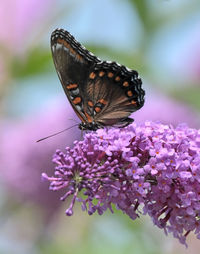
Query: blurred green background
{"x": 158, "y": 38}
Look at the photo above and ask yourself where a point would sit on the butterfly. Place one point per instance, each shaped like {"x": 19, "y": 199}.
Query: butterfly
{"x": 102, "y": 93}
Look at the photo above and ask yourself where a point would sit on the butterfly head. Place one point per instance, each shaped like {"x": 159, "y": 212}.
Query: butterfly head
{"x": 92, "y": 126}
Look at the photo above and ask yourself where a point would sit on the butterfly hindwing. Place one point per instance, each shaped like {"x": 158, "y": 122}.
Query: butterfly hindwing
{"x": 113, "y": 93}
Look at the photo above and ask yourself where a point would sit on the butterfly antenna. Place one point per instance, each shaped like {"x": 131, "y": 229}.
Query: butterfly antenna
{"x": 52, "y": 135}
{"x": 71, "y": 119}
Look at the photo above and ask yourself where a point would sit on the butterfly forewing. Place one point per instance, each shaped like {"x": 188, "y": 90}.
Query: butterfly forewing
{"x": 102, "y": 93}
{"x": 72, "y": 65}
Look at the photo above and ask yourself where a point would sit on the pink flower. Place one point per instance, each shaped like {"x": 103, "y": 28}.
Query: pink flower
{"x": 155, "y": 174}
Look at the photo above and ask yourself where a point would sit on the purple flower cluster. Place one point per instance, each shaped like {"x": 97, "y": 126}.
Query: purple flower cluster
{"x": 150, "y": 168}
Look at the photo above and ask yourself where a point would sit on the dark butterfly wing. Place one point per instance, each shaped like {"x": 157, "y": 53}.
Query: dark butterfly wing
{"x": 113, "y": 92}
{"x": 101, "y": 93}
{"x": 73, "y": 63}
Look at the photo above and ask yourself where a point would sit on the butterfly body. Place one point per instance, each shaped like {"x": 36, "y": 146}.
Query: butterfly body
{"x": 102, "y": 93}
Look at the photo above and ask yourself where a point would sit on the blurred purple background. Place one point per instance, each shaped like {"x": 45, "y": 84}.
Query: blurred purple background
{"x": 159, "y": 39}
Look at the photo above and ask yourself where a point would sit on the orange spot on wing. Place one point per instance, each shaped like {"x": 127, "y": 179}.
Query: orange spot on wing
{"x": 110, "y": 74}
{"x": 133, "y": 102}
{"x": 97, "y": 109}
{"x": 72, "y": 51}
{"x": 130, "y": 93}
{"x": 72, "y": 86}
{"x": 92, "y": 75}
{"x": 63, "y": 42}
{"x": 117, "y": 78}
{"x": 77, "y": 100}
{"x": 88, "y": 117}
{"x": 101, "y": 73}
{"x": 125, "y": 84}
{"x": 90, "y": 103}
{"x": 104, "y": 102}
